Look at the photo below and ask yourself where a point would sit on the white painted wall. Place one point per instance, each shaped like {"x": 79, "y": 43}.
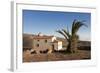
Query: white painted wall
{"x": 54, "y": 38}
{"x": 59, "y": 45}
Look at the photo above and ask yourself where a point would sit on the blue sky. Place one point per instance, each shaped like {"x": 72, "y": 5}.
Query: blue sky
{"x": 47, "y": 22}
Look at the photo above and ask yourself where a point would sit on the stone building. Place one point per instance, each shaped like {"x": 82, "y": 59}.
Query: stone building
{"x": 43, "y": 42}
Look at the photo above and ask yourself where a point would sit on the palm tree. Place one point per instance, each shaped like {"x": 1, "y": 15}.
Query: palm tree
{"x": 72, "y": 36}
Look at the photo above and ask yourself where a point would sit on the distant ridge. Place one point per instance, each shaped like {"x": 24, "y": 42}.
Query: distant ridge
{"x": 27, "y": 41}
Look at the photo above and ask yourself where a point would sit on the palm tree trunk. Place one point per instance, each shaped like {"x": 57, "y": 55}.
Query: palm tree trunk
{"x": 74, "y": 45}
{"x": 69, "y": 47}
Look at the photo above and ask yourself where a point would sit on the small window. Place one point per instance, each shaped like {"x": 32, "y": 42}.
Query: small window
{"x": 38, "y": 40}
{"x": 45, "y": 41}
{"x": 37, "y": 45}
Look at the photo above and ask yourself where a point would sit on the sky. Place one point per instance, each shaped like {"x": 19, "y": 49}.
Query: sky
{"x": 47, "y": 22}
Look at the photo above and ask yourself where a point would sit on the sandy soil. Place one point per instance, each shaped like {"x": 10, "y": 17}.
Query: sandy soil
{"x": 80, "y": 55}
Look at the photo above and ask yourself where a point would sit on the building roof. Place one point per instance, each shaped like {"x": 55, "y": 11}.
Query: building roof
{"x": 56, "y": 41}
{"x": 42, "y": 37}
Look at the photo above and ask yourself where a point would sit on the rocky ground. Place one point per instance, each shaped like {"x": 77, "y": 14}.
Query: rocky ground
{"x": 79, "y": 55}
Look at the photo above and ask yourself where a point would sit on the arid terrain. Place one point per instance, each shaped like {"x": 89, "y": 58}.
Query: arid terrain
{"x": 83, "y": 52}
{"x": 80, "y": 55}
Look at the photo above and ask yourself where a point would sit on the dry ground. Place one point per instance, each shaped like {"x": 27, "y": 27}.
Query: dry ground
{"x": 80, "y": 55}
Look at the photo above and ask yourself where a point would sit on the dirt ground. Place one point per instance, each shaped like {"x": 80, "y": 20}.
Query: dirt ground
{"x": 80, "y": 55}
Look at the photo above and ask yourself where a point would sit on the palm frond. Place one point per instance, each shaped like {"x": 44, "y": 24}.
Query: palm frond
{"x": 67, "y": 33}
{"x": 62, "y": 33}
{"x": 73, "y": 25}
{"x": 76, "y": 26}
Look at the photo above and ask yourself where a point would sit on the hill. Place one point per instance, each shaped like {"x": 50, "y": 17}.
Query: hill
{"x": 27, "y": 42}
